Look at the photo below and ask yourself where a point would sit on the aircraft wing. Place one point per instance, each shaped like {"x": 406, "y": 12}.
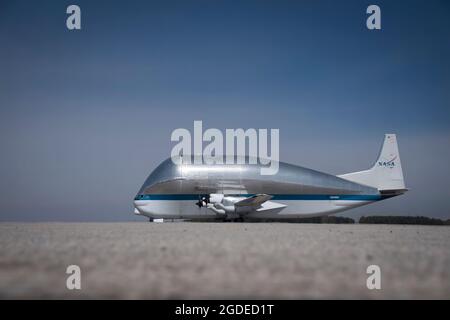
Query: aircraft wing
{"x": 256, "y": 203}
{"x": 253, "y": 201}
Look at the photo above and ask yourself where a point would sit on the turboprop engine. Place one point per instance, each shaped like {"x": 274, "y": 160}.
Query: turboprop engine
{"x": 223, "y": 205}
{"x": 234, "y": 206}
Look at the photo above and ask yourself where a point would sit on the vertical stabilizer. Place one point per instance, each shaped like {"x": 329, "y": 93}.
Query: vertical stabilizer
{"x": 386, "y": 174}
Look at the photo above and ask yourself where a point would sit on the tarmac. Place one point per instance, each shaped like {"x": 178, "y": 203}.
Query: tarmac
{"x": 183, "y": 260}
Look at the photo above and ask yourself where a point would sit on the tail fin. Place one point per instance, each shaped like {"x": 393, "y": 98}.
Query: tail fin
{"x": 386, "y": 174}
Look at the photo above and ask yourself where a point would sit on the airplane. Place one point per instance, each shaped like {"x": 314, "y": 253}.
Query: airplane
{"x": 238, "y": 192}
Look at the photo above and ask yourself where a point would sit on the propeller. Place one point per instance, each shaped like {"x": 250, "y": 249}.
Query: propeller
{"x": 202, "y": 201}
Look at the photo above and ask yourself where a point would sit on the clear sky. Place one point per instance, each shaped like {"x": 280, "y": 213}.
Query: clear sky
{"x": 86, "y": 115}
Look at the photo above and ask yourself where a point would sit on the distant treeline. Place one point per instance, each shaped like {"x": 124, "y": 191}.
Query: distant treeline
{"x": 403, "y": 220}
{"x": 362, "y": 220}
{"x": 368, "y": 220}
{"x": 328, "y": 219}
{"x": 324, "y": 219}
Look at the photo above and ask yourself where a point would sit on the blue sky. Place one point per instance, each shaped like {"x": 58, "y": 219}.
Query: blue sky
{"x": 86, "y": 115}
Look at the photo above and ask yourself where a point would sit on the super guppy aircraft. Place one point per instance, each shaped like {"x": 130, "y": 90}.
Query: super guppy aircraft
{"x": 239, "y": 191}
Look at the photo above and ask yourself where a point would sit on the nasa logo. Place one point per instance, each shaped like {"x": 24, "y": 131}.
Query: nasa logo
{"x": 387, "y": 164}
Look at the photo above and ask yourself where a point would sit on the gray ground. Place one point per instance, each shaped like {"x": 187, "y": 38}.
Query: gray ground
{"x": 223, "y": 260}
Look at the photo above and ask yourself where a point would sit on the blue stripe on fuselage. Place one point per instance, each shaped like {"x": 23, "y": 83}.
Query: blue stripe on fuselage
{"x": 356, "y": 197}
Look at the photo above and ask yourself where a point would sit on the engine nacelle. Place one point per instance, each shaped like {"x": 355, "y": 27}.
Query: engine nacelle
{"x": 215, "y": 198}
{"x": 225, "y": 205}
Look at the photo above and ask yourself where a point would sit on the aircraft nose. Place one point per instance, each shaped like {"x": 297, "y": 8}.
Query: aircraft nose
{"x": 138, "y": 203}
{"x": 139, "y": 206}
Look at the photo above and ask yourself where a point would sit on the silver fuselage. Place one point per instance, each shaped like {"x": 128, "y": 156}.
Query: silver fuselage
{"x": 172, "y": 190}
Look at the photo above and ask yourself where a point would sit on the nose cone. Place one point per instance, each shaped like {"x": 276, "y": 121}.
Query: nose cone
{"x": 139, "y": 204}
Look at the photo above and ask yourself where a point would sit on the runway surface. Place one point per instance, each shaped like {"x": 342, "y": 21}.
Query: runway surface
{"x": 223, "y": 260}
